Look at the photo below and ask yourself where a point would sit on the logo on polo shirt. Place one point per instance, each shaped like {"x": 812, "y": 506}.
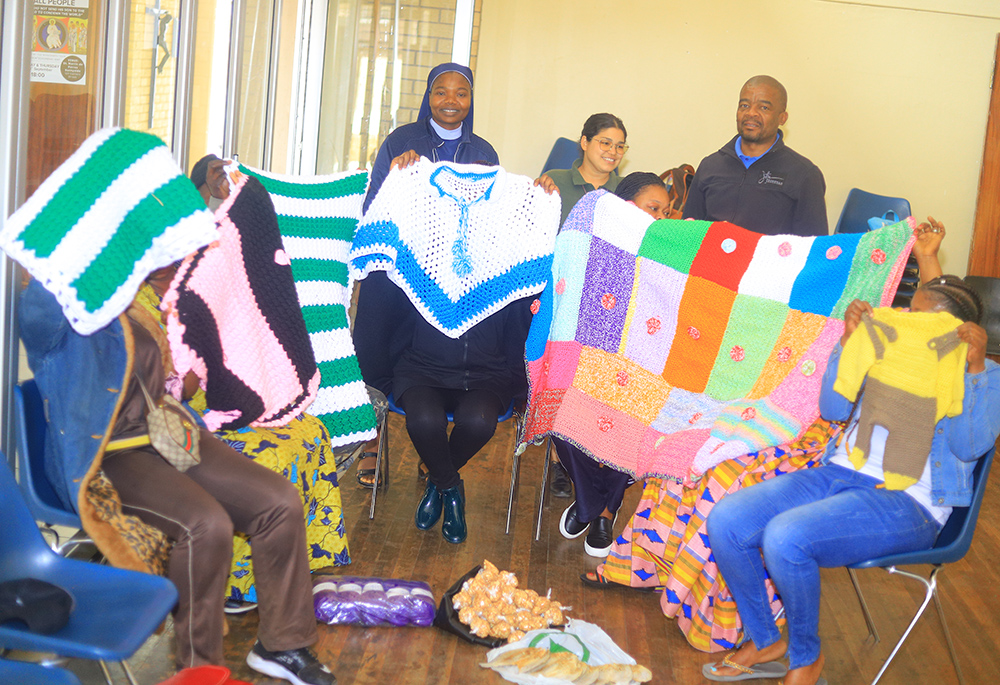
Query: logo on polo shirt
{"x": 767, "y": 178}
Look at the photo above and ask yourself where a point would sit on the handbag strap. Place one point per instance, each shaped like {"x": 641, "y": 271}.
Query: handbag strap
{"x": 149, "y": 400}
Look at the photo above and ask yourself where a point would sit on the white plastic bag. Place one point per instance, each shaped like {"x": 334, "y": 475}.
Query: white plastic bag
{"x": 587, "y": 641}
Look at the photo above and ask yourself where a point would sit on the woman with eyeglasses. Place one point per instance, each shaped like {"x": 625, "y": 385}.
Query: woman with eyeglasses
{"x": 602, "y": 146}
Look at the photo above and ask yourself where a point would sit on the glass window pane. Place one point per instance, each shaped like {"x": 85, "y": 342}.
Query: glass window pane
{"x": 67, "y": 60}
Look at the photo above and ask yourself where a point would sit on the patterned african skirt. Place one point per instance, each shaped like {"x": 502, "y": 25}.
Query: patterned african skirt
{"x": 665, "y": 544}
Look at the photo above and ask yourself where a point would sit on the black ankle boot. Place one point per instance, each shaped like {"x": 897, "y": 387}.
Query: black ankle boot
{"x": 454, "y": 529}
{"x": 429, "y": 509}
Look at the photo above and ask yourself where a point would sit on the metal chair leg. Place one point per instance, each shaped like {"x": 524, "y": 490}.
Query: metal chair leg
{"x": 872, "y": 631}
{"x": 381, "y": 462}
{"x": 543, "y": 490}
{"x": 515, "y": 469}
{"x": 947, "y": 634}
{"x": 128, "y": 673}
{"x": 931, "y": 586}
{"x": 104, "y": 670}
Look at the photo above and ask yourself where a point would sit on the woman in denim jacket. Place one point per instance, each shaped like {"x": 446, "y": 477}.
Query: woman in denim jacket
{"x": 834, "y": 515}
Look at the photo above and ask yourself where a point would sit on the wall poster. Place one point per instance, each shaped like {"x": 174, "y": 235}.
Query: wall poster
{"x": 59, "y": 41}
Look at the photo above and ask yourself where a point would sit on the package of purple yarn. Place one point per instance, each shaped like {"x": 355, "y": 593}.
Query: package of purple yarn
{"x": 340, "y": 600}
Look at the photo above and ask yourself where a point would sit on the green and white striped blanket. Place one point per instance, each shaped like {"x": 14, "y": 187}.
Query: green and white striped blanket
{"x": 118, "y": 209}
{"x": 317, "y": 216}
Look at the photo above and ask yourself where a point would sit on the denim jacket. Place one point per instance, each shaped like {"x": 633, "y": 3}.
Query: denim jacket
{"x": 959, "y": 441}
{"x": 80, "y": 378}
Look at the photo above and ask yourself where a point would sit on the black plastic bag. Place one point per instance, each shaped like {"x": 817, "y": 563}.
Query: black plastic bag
{"x": 446, "y": 617}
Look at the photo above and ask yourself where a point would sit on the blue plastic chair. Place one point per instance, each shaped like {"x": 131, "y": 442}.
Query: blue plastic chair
{"x": 862, "y": 206}
{"x": 952, "y": 544}
{"x": 564, "y": 153}
{"x": 30, "y": 429}
{"x": 382, "y": 455}
{"x": 115, "y": 610}
{"x": 27, "y": 673}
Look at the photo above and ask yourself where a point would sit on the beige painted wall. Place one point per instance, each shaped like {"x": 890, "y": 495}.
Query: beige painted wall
{"x": 891, "y": 100}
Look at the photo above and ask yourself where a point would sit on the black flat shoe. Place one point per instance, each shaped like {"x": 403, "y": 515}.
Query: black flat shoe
{"x": 429, "y": 509}
{"x": 454, "y": 528}
{"x": 599, "y": 538}
{"x": 560, "y": 485}
{"x": 570, "y": 526}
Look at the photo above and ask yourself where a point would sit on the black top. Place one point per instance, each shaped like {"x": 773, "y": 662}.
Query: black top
{"x": 398, "y": 349}
{"x": 782, "y": 192}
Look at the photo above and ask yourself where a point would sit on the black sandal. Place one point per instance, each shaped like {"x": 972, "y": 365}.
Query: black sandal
{"x": 603, "y": 583}
{"x": 366, "y": 477}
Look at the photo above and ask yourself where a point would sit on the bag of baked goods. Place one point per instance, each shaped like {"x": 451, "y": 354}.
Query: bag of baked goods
{"x": 486, "y": 607}
{"x": 580, "y": 654}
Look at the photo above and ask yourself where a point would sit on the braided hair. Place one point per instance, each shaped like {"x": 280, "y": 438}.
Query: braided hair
{"x": 955, "y": 296}
{"x": 632, "y": 185}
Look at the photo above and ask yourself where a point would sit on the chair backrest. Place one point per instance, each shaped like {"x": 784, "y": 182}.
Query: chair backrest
{"x": 955, "y": 538}
{"x": 31, "y": 428}
{"x": 862, "y": 206}
{"x": 27, "y": 673}
{"x": 988, "y": 290}
{"x": 22, "y": 547}
{"x": 564, "y": 153}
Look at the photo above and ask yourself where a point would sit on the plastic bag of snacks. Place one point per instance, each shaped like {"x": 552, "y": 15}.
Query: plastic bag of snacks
{"x": 487, "y": 607}
{"x": 372, "y": 601}
{"x": 582, "y": 654}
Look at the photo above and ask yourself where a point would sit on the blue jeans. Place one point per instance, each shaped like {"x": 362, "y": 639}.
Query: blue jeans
{"x": 796, "y": 523}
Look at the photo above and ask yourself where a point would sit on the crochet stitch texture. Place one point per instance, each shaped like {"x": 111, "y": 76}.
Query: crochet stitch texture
{"x": 233, "y": 318}
{"x": 662, "y": 348}
{"x": 317, "y": 216}
{"x": 461, "y": 240}
{"x": 912, "y": 366}
{"x": 118, "y": 209}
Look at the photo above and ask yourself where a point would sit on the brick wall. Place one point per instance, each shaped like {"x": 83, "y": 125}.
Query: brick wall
{"x": 425, "y": 39}
{"x": 138, "y": 73}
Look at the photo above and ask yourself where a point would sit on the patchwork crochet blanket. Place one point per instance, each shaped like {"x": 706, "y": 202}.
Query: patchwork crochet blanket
{"x": 664, "y": 348}
{"x": 461, "y": 240}
{"x": 118, "y": 209}
{"x": 317, "y": 216}
{"x": 233, "y": 318}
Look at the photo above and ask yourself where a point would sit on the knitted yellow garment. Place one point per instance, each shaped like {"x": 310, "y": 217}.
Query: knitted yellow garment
{"x": 914, "y": 364}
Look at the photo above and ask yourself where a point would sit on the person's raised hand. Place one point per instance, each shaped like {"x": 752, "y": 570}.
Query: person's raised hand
{"x": 929, "y": 236}
{"x": 547, "y": 184}
{"x": 975, "y": 335}
{"x": 852, "y": 318}
{"x": 406, "y": 159}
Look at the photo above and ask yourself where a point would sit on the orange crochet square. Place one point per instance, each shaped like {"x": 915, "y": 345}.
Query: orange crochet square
{"x": 701, "y": 324}
{"x": 621, "y": 383}
{"x": 800, "y": 331}
{"x": 616, "y": 436}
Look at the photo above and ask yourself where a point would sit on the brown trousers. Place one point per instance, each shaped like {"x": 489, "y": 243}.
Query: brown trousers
{"x": 199, "y": 509}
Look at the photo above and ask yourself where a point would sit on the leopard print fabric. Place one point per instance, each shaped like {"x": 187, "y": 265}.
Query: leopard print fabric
{"x": 149, "y": 543}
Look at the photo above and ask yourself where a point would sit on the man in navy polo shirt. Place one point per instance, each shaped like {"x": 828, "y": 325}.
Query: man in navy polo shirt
{"x": 755, "y": 180}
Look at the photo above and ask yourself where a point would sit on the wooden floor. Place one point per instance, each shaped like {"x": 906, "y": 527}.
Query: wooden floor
{"x": 390, "y": 546}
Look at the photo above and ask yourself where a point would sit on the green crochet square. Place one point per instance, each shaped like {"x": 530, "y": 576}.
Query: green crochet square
{"x": 674, "y": 243}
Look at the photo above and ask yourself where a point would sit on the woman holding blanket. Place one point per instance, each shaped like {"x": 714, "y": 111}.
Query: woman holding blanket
{"x": 665, "y": 544}
{"x": 880, "y": 491}
{"x": 441, "y": 133}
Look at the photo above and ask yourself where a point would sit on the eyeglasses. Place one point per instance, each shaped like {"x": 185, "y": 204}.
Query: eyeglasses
{"x": 607, "y": 144}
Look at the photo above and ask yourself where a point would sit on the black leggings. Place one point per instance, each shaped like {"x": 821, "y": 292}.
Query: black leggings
{"x": 475, "y": 415}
